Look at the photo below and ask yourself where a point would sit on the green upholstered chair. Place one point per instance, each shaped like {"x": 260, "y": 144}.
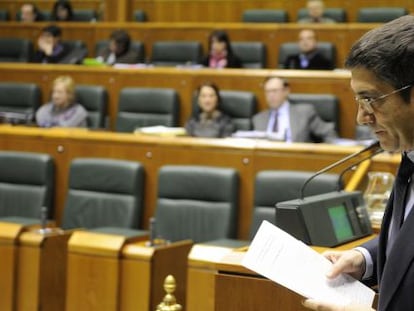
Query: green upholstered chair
{"x": 174, "y": 53}
{"x": 380, "y": 14}
{"x": 94, "y": 98}
{"x": 26, "y": 184}
{"x": 15, "y": 50}
{"x": 326, "y": 105}
{"x": 77, "y": 52}
{"x": 19, "y": 101}
{"x": 276, "y": 186}
{"x": 197, "y": 202}
{"x": 4, "y": 15}
{"x": 337, "y": 14}
{"x": 84, "y": 15}
{"x": 140, "y": 16}
{"x": 104, "y": 193}
{"x": 141, "y": 107}
{"x": 252, "y": 54}
{"x": 327, "y": 49}
{"x": 265, "y": 16}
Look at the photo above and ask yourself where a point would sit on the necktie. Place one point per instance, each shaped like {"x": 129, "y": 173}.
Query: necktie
{"x": 400, "y": 191}
{"x": 275, "y": 122}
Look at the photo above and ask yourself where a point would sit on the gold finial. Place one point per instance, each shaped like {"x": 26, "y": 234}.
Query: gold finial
{"x": 169, "y": 301}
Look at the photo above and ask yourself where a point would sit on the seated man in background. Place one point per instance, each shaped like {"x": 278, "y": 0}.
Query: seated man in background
{"x": 50, "y": 48}
{"x": 62, "y": 110}
{"x": 296, "y": 122}
{"x": 309, "y": 57}
{"x": 316, "y": 10}
{"x": 29, "y": 13}
{"x": 119, "y": 50}
{"x": 210, "y": 121}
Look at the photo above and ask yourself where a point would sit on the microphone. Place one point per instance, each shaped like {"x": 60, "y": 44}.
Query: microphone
{"x": 153, "y": 231}
{"x": 359, "y": 156}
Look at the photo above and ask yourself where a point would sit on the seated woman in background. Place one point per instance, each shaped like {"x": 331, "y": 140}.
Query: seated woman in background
{"x": 62, "y": 11}
{"x": 62, "y": 110}
{"x": 210, "y": 121}
{"x": 119, "y": 49}
{"x": 220, "y": 52}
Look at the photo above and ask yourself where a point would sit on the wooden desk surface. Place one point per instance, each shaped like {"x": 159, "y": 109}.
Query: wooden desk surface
{"x": 245, "y": 155}
{"x": 186, "y": 80}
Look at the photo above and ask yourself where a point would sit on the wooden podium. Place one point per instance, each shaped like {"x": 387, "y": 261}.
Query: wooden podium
{"x": 218, "y": 282}
{"x": 10, "y": 231}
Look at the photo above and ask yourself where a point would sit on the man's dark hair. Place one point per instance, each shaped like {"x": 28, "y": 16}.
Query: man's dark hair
{"x": 122, "y": 39}
{"x": 54, "y": 30}
{"x": 388, "y": 52}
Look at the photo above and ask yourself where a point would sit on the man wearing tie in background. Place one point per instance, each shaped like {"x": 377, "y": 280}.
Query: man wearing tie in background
{"x": 382, "y": 68}
{"x": 294, "y": 122}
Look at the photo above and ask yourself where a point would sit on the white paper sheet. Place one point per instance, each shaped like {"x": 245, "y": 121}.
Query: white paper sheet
{"x": 283, "y": 259}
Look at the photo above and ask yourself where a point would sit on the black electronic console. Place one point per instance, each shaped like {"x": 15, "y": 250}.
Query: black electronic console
{"x": 328, "y": 219}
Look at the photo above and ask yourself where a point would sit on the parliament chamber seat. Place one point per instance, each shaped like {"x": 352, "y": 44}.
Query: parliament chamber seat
{"x": 175, "y": 53}
{"x": 380, "y": 14}
{"x": 339, "y": 15}
{"x": 327, "y": 49}
{"x": 26, "y": 184}
{"x": 141, "y": 107}
{"x": 4, "y": 15}
{"x": 140, "y": 16}
{"x": 252, "y": 54}
{"x": 326, "y": 105}
{"x": 19, "y": 101}
{"x": 15, "y": 50}
{"x": 274, "y": 186}
{"x": 94, "y": 98}
{"x": 196, "y": 202}
{"x": 84, "y": 15}
{"x": 265, "y": 16}
{"x": 77, "y": 52}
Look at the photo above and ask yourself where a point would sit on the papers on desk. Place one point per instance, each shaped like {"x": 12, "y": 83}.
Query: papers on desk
{"x": 285, "y": 260}
{"x": 161, "y": 130}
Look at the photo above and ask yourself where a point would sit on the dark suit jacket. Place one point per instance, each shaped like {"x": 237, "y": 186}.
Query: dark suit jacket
{"x": 305, "y": 124}
{"x": 41, "y": 57}
{"x": 395, "y": 274}
{"x": 317, "y": 62}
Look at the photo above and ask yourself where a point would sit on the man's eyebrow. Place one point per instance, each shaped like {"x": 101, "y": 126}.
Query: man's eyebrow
{"x": 367, "y": 92}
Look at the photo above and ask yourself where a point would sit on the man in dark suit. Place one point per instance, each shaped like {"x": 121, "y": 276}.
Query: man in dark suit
{"x": 309, "y": 57}
{"x": 382, "y": 68}
{"x": 294, "y": 122}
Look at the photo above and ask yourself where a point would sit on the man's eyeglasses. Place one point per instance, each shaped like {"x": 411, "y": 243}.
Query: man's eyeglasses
{"x": 367, "y": 103}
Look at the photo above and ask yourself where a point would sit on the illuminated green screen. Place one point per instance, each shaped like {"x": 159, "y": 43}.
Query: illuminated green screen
{"x": 340, "y": 222}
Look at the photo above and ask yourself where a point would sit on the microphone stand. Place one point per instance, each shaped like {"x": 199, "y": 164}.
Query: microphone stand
{"x": 372, "y": 150}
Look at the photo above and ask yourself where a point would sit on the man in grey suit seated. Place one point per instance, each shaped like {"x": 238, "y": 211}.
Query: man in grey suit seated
{"x": 292, "y": 122}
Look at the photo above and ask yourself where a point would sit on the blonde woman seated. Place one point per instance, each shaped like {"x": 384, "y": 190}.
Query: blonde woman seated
{"x": 210, "y": 121}
{"x": 62, "y": 110}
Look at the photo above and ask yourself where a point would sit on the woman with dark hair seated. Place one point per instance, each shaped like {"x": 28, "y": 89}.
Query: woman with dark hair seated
{"x": 220, "y": 53}
{"x": 119, "y": 50}
{"x": 210, "y": 121}
{"x": 62, "y": 11}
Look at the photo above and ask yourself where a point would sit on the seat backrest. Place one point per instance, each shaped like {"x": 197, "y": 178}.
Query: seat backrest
{"x": 44, "y": 16}
{"x": 327, "y": 49}
{"x": 140, "y": 107}
{"x": 197, "y": 202}
{"x": 21, "y": 100}
{"x": 252, "y": 54}
{"x": 240, "y": 106}
{"x": 337, "y": 14}
{"x": 104, "y": 193}
{"x": 326, "y": 105}
{"x": 84, "y": 15}
{"x": 276, "y": 186}
{"x": 15, "y": 50}
{"x": 94, "y": 98}
{"x": 136, "y": 45}
{"x": 4, "y": 15}
{"x": 265, "y": 16}
{"x": 173, "y": 53}
{"x": 26, "y": 184}
{"x": 77, "y": 52}
{"x": 380, "y": 14}
{"x": 140, "y": 16}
